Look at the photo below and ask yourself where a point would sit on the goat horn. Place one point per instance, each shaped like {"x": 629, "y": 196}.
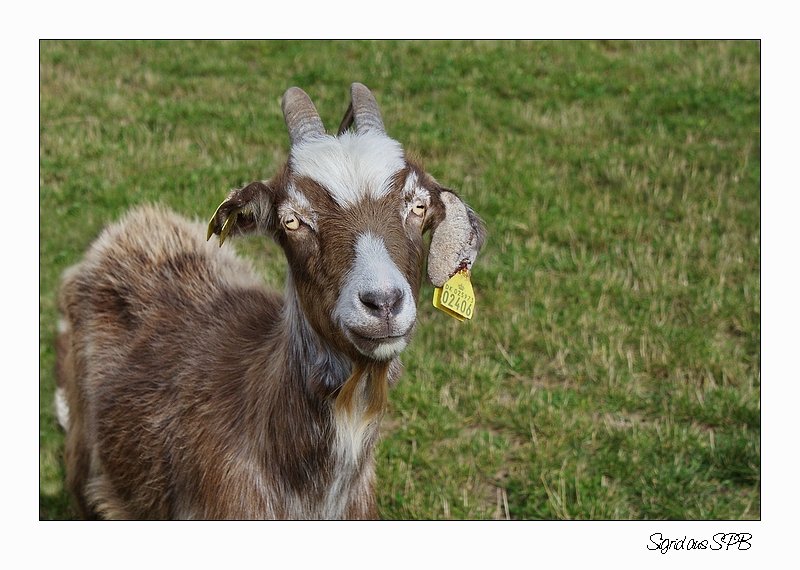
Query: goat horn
{"x": 365, "y": 111}
{"x": 302, "y": 119}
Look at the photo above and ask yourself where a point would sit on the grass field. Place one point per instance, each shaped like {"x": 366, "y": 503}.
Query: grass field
{"x": 612, "y": 370}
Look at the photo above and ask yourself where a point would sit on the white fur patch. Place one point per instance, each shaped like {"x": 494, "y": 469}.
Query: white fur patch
{"x": 411, "y": 186}
{"x": 350, "y": 166}
{"x": 299, "y": 204}
{"x": 389, "y": 350}
{"x": 414, "y": 194}
{"x": 62, "y": 408}
{"x": 352, "y": 430}
{"x": 374, "y": 270}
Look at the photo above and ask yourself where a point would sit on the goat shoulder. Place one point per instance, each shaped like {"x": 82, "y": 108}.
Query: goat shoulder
{"x": 179, "y": 341}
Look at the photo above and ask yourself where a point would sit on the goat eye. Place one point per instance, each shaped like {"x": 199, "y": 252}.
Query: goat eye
{"x": 419, "y": 209}
{"x": 291, "y": 222}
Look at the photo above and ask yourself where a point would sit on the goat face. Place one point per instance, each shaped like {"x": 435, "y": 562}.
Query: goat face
{"x": 350, "y": 212}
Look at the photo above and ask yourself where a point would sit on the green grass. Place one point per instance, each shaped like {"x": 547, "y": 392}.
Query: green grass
{"x": 612, "y": 370}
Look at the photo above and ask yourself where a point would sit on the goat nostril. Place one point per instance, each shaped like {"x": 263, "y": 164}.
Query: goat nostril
{"x": 382, "y": 303}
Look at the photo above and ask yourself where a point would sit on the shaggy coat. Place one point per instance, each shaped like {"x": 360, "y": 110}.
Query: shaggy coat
{"x": 190, "y": 391}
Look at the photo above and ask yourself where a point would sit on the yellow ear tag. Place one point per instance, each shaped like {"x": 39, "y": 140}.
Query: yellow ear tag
{"x": 227, "y": 226}
{"x": 456, "y": 298}
{"x": 212, "y": 225}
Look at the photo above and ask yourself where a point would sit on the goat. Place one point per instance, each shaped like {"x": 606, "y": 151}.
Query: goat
{"x": 188, "y": 390}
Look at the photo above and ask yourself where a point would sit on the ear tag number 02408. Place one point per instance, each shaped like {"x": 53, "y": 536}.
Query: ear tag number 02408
{"x": 456, "y": 297}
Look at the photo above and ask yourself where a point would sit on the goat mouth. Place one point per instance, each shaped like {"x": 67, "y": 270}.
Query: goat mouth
{"x": 384, "y": 347}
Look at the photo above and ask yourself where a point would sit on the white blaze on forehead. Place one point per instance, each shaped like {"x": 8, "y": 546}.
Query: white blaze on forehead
{"x": 350, "y": 166}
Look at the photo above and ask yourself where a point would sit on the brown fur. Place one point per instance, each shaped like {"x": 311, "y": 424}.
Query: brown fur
{"x": 194, "y": 392}
{"x": 171, "y": 339}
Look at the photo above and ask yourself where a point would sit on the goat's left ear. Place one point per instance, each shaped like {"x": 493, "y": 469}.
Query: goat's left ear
{"x": 245, "y": 211}
{"x": 457, "y": 235}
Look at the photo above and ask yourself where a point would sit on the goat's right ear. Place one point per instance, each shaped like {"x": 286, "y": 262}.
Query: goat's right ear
{"x": 245, "y": 211}
{"x": 457, "y": 235}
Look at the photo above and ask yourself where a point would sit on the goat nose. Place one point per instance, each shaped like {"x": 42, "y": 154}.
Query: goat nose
{"x": 383, "y": 303}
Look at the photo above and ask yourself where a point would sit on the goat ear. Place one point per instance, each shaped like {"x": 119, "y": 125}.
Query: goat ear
{"x": 457, "y": 235}
{"x": 246, "y": 210}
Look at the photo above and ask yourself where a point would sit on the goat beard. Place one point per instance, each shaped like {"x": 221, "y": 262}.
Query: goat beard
{"x": 365, "y": 394}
